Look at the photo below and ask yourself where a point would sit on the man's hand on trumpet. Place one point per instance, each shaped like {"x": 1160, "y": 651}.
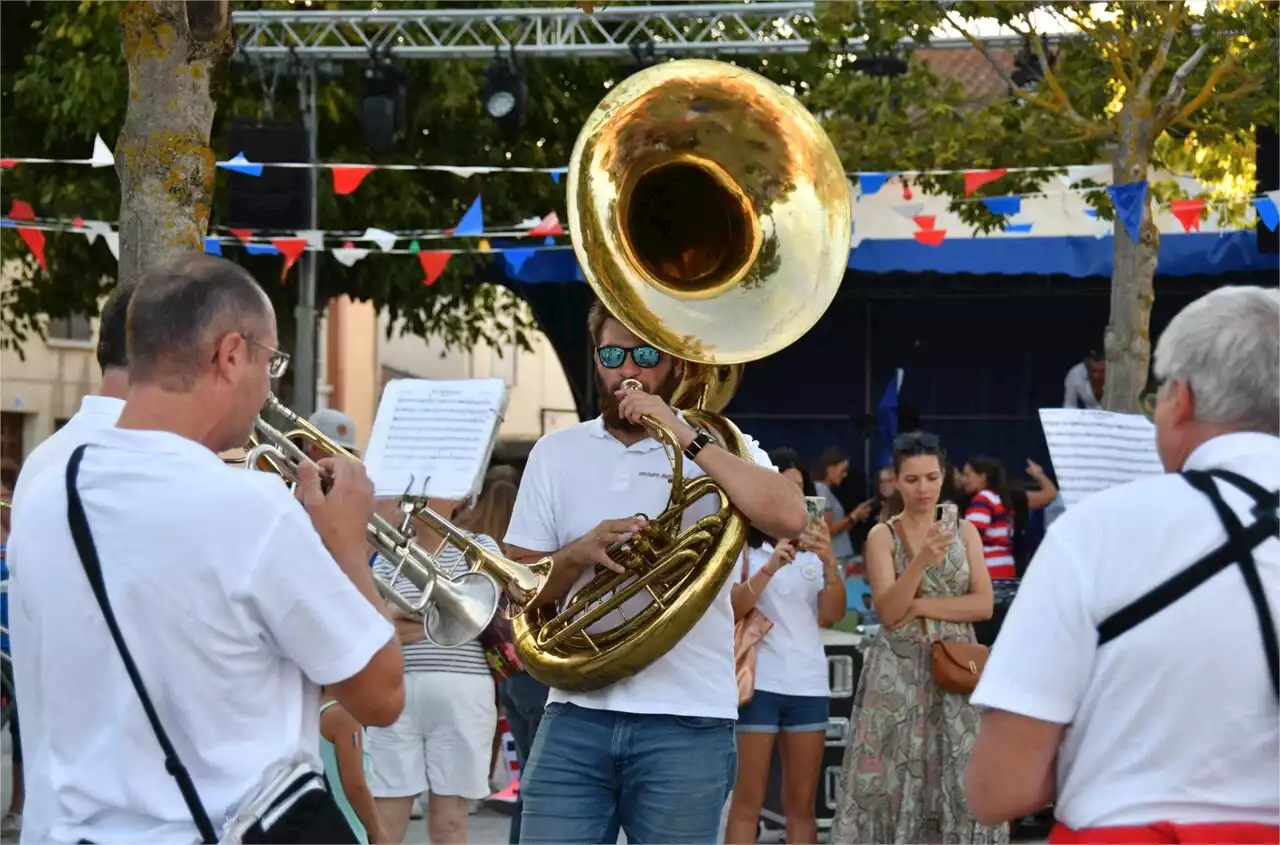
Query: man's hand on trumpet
{"x": 635, "y": 405}
{"x": 341, "y": 515}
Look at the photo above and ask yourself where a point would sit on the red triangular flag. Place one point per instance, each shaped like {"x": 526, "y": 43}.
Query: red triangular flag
{"x": 906, "y": 191}
{"x": 33, "y": 238}
{"x": 931, "y": 237}
{"x": 1188, "y": 213}
{"x": 244, "y": 235}
{"x": 975, "y": 179}
{"x": 6, "y": 163}
{"x": 78, "y": 223}
{"x": 291, "y": 249}
{"x": 925, "y": 221}
{"x": 549, "y": 225}
{"x": 348, "y": 177}
{"x": 433, "y": 264}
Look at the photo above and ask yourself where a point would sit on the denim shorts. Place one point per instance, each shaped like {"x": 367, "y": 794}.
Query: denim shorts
{"x": 771, "y": 712}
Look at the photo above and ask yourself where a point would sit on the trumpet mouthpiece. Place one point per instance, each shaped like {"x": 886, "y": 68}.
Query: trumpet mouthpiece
{"x": 631, "y": 384}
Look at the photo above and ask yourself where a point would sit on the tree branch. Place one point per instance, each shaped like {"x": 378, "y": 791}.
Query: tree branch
{"x": 1169, "y": 111}
{"x": 1162, "y": 55}
{"x": 1049, "y": 76}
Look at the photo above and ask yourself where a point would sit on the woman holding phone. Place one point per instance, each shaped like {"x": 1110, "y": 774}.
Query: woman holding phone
{"x": 903, "y": 772}
{"x": 798, "y": 585}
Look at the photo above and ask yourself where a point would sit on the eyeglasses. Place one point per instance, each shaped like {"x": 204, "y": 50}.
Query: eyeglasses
{"x": 916, "y": 440}
{"x": 277, "y": 363}
{"x": 612, "y": 357}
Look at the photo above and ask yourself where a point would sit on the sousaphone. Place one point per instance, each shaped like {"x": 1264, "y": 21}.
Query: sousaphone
{"x": 710, "y": 214}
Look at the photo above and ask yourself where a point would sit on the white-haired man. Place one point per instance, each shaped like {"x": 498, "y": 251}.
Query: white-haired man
{"x": 1140, "y": 655}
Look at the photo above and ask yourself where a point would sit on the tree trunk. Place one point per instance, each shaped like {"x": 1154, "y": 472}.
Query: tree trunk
{"x": 163, "y": 158}
{"x": 1128, "y": 337}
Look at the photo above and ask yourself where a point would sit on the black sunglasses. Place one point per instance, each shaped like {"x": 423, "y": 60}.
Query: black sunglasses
{"x": 612, "y": 357}
{"x": 916, "y": 440}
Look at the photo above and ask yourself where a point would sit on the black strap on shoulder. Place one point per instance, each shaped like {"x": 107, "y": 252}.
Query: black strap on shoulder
{"x": 93, "y": 569}
{"x": 1238, "y": 551}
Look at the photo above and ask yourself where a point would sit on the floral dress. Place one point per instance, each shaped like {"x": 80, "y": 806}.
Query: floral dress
{"x": 903, "y": 772}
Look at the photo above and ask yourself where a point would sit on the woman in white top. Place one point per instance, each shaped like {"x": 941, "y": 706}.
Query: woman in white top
{"x": 800, "y": 591}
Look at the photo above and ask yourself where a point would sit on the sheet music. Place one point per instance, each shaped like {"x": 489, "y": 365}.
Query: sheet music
{"x": 435, "y": 432}
{"x": 1094, "y": 450}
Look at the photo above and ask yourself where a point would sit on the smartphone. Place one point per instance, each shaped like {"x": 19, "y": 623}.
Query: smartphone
{"x": 816, "y": 510}
{"x": 948, "y": 514}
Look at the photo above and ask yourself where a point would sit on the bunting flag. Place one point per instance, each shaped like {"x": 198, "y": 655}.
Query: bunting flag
{"x": 549, "y": 225}
{"x": 1269, "y": 209}
{"x": 975, "y": 179}
{"x": 1188, "y": 213}
{"x": 1003, "y": 205}
{"x": 1130, "y": 202}
{"x": 291, "y": 249}
{"x": 32, "y": 237}
{"x": 348, "y": 177}
{"x": 433, "y": 264}
{"x": 472, "y": 223}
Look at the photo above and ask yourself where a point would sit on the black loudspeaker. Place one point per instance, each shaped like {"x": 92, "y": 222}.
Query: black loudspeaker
{"x": 844, "y": 667}
{"x": 281, "y": 197}
{"x": 1268, "y": 180}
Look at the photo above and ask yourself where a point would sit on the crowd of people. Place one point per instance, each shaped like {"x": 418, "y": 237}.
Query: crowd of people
{"x": 271, "y": 645}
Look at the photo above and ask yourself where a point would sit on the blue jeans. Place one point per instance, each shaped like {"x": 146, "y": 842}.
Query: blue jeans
{"x": 523, "y": 699}
{"x": 662, "y": 779}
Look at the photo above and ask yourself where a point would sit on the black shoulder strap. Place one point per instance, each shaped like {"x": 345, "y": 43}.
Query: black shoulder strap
{"x": 93, "y": 569}
{"x": 1238, "y": 550}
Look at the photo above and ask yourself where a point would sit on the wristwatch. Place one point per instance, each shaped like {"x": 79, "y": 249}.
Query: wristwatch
{"x": 700, "y": 440}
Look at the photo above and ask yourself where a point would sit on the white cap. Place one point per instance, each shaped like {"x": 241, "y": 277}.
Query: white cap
{"x": 335, "y": 425}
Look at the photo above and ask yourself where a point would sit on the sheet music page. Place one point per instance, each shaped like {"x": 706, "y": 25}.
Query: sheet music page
{"x": 440, "y": 433}
{"x": 1094, "y": 450}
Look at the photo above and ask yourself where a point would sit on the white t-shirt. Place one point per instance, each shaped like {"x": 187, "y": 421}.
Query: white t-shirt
{"x": 231, "y": 607}
{"x": 1078, "y": 390}
{"x": 96, "y": 412}
{"x": 790, "y": 659}
{"x": 575, "y": 479}
{"x": 1175, "y": 720}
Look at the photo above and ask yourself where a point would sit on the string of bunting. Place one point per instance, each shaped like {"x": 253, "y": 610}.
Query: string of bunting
{"x": 1129, "y": 200}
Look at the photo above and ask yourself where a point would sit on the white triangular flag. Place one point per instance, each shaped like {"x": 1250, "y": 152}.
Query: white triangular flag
{"x": 93, "y": 228}
{"x": 528, "y": 222}
{"x": 102, "y": 156}
{"x": 313, "y": 237}
{"x": 113, "y": 243}
{"x": 910, "y": 211}
{"x": 1274, "y": 196}
{"x": 384, "y": 239}
{"x": 347, "y": 256}
{"x": 465, "y": 172}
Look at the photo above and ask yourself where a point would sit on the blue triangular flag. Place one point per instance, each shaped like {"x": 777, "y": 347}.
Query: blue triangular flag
{"x": 472, "y": 223}
{"x": 550, "y": 240}
{"x": 871, "y": 183}
{"x": 1003, "y": 205}
{"x": 516, "y": 258}
{"x": 1018, "y": 227}
{"x": 1130, "y": 202}
{"x": 556, "y": 174}
{"x": 1091, "y": 212}
{"x": 261, "y": 249}
{"x": 212, "y": 246}
{"x": 240, "y": 164}
{"x": 1267, "y": 212}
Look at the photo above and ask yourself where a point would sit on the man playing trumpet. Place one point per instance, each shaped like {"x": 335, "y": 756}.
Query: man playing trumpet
{"x": 653, "y": 753}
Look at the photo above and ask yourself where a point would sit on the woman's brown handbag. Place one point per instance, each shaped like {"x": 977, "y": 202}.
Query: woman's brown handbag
{"x": 956, "y": 666}
{"x": 747, "y": 633}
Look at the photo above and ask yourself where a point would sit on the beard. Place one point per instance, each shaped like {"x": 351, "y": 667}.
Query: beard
{"x": 609, "y": 402}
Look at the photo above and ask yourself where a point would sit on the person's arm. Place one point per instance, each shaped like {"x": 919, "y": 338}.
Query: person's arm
{"x": 768, "y": 499}
{"x": 1032, "y": 685}
{"x": 746, "y": 594}
{"x": 1046, "y": 490}
{"x": 312, "y": 610}
{"x": 831, "y": 598}
{"x": 891, "y": 595}
{"x": 976, "y": 605}
{"x": 347, "y": 737}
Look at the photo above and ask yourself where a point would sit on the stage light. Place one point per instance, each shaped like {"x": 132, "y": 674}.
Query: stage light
{"x": 381, "y": 111}
{"x": 504, "y": 92}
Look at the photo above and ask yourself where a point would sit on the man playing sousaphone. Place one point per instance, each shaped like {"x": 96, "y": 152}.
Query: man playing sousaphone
{"x": 654, "y": 753}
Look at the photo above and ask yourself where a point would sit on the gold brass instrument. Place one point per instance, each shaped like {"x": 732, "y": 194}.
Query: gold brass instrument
{"x": 711, "y": 217}
{"x": 454, "y": 610}
{"x": 521, "y": 583}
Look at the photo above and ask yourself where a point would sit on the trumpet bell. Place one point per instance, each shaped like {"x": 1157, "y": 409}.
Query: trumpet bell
{"x": 461, "y": 608}
{"x": 710, "y": 211}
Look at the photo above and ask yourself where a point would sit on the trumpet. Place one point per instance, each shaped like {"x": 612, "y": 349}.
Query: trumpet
{"x": 522, "y": 584}
{"x": 454, "y": 610}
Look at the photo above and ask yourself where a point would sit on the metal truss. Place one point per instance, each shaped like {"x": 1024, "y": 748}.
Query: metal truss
{"x": 686, "y": 29}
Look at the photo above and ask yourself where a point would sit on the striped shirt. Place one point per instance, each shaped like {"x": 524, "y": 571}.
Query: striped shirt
{"x": 994, "y": 523}
{"x": 466, "y": 659}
